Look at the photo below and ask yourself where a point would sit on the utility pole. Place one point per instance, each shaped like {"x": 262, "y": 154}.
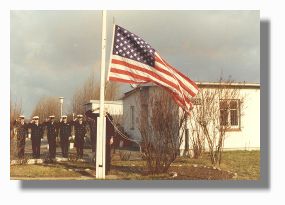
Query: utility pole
{"x": 61, "y": 105}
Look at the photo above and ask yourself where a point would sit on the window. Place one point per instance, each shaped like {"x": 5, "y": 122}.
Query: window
{"x": 132, "y": 126}
{"x": 230, "y": 113}
{"x": 196, "y": 101}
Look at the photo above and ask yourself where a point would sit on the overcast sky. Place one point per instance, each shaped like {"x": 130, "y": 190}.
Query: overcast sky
{"x": 54, "y": 52}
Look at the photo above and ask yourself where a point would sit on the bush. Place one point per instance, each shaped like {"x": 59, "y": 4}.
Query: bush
{"x": 124, "y": 155}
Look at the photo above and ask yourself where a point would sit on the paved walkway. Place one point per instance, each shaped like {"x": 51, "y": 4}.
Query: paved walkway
{"x": 108, "y": 177}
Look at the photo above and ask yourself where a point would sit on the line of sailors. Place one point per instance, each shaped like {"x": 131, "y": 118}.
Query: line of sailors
{"x": 63, "y": 128}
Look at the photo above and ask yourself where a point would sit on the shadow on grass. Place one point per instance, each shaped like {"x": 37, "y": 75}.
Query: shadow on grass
{"x": 128, "y": 169}
{"x": 74, "y": 166}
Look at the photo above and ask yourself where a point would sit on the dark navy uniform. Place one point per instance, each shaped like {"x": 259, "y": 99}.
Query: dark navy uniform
{"x": 21, "y": 133}
{"x": 64, "y": 134}
{"x": 110, "y": 132}
{"x": 80, "y": 132}
{"x": 92, "y": 123}
{"x": 37, "y": 132}
{"x": 52, "y": 133}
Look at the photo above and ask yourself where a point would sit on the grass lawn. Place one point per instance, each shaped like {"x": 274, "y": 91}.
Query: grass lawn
{"x": 244, "y": 163}
{"x": 52, "y": 170}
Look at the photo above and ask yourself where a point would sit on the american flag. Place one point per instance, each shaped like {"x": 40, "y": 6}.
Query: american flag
{"x": 134, "y": 61}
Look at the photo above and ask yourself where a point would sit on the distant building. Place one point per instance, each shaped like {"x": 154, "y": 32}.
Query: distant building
{"x": 115, "y": 108}
{"x": 244, "y": 130}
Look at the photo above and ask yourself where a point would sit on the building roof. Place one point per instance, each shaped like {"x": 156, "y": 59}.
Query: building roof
{"x": 116, "y": 102}
{"x": 242, "y": 85}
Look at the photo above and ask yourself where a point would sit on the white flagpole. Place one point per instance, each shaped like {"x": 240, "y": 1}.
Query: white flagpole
{"x": 101, "y": 138}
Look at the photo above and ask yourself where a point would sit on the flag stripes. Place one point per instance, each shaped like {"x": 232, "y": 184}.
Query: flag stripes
{"x": 126, "y": 71}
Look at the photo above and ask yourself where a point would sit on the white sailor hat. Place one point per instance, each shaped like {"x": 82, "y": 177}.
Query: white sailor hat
{"x": 64, "y": 116}
{"x": 80, "y": 116}
{"x": 35, "y": 117}
{"x": 51, "y": 116}
{"x": 22, "y": 116}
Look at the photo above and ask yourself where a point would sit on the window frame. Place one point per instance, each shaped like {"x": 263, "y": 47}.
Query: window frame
{"x": 132, "y": 121}
{"x": 229, "y": 126}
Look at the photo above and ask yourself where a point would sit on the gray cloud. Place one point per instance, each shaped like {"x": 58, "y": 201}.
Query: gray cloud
{"x": 53, "y": 52}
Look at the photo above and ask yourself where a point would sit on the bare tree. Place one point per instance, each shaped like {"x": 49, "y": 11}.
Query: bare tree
{"x": 91, "y": 91}
{"x": 197, "y": 138}
{"x": 47, "y": 106}
{"x": 161, "y": 127}
{"x": 220, "y": 108}
{"x": 15, "y": 111}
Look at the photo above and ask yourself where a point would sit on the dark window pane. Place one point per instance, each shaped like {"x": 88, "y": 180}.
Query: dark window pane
{"x": 233, "y": 104}
{"x": 224, "y": 117}
{"x": 234, "y": 117}
{"x": 132, "y": 117}
{"x": 196, "y": 101}
{"x": 223, "y": 104}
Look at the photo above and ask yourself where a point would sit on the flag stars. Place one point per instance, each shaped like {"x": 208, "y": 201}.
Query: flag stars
{"x": 128, "y": 45}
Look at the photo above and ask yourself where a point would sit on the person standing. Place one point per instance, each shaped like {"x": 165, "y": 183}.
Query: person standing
{"x": 91, "y": 119}
{"x": 80, "y": 134}
{"x": 52, "y": 133}
{"x": 37, "y": 132}
{"x": 21, "y": 134}
{"x": 64, "y": 134}
{"x": 110, "y": 133}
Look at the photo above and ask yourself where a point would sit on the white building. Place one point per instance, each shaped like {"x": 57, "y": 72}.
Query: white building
{"x": 244, "y": 129}
{"x": 115, "y": 108}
